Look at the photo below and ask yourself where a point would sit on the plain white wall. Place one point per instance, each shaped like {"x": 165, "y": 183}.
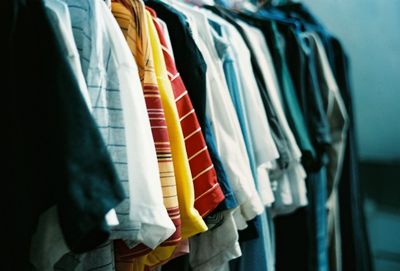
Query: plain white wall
{"x": 370, "y": 32}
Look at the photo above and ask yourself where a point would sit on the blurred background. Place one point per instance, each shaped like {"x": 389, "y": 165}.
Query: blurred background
{"x": 369, "y": 31}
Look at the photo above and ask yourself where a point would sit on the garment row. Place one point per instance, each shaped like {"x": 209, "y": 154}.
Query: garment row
{"x": 161, "y": 129}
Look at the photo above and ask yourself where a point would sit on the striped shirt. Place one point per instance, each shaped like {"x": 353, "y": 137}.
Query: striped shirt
{"x": 130, "y": 17}
{"x": 208, "y": 193}
{"x": 119, "y": 109}
{"x": 192, "y": 222}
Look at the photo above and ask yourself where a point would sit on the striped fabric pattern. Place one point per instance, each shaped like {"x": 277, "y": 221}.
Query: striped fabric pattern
{"x": 208, "y": 193}
{"x": 104, "y": 94}
{"x": 130, "y": 17}
{"x": 107, "y": 111}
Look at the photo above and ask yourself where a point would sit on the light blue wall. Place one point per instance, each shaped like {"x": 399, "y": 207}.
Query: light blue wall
{"x": 370, "y": 31}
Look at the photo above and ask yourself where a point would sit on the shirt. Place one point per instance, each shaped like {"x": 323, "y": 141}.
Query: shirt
{"x": 254, "y": 122}
{"x": 133, "y": 25}
{"x": 339, "y": 124}
{"x": 190, "y": 216}
{"x": 208, "y": 193}
{"x": 254, "y": 118}
{"x": 146, "y": 202}
{"x": 277, "y": 132}
{"x": 291, "y": 191}
{"x": 225, "y": 247}
{"x": 336, "y": 112}
{"x": 189, "y": 61}
{"x": 119, "y": 107}
{"x": 48, "y": 244}
{"x": 225, "y": 121}
{"x": 192, "y": 223}
{"x": 289, "y": 95}
{"x": 59, "y": 14}
{"x": 52, "y": 136}
{"x": 312, "y": 104}
{"x": 192, "y": 67}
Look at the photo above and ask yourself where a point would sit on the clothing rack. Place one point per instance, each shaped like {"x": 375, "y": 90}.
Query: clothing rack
{"x": 158, "y": 134}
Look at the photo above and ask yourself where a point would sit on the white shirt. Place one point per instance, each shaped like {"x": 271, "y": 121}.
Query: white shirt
{"x": 211, "y": 249}
{"x": 263, "y": 144}
{"x": 224, "y": 120}
{"x": 294, "y": 181}
{"x": 146, "y": 205}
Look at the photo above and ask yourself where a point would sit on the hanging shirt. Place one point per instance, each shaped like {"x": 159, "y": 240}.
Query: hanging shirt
{"x": 192, "y": 223}
{"x": 225, "y": 121}
{"x": 291, "y": 192}
{"x": 312, "y": 103}
{"x": 339, "y": 124}
{"x": 277, "y": 132}
{"x": 336, "y": 112}
{"x": 48, "y": 244}
{"x": 134, "y": 28}
{"x": 208, "y": 193}
{"x": 119, "y": 108}
{"x": 192, "y": 68}
{"x": 262, "y": 150}
{"x": 189, "y": 61}
{"x": 55, "y": 153}
{"x": 277, "y": 174}
{"x": 180, "y": 157}
{"x": 289, "y": 96}
{"x": 225, "y": 246}
{"x": 287, "y": 55}
{"x": 253, "y": 121}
